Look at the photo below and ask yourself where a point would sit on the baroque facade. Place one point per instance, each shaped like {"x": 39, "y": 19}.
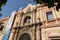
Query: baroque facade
{"x": 35, "y": 22}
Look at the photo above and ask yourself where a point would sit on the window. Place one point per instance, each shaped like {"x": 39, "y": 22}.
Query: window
{"x": 49, "y": 15}
{"x": 27, "y": 20}
{"x": 25, "y": 36}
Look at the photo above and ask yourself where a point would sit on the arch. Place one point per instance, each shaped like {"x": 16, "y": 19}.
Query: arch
{"x": 25, "y": 36}
{"x": 26, "y": 20}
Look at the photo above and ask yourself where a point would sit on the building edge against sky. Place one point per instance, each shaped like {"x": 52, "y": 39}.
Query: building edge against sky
{"x": 27, "y": 23}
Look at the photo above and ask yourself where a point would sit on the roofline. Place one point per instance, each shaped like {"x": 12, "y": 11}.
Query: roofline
{"x": 6, "y": 18}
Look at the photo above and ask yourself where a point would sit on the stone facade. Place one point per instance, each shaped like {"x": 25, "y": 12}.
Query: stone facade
{"x": 33, "y": 21}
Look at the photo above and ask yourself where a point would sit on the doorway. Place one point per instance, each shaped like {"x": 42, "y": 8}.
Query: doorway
{"x": 25, "y": 36}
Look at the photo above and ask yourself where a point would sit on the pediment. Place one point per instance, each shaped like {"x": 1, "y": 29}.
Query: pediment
{"x": 29, "y": 6}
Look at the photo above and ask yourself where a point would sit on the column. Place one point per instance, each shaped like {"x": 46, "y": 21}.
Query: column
{"x": 11, "y": 37}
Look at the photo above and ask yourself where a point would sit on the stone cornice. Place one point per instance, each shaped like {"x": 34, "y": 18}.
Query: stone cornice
{"x": 55, "y": 24}
{"x": 28, "y": 25}
{"x": 3, "y": 19}
{"x": 50, "y": 25}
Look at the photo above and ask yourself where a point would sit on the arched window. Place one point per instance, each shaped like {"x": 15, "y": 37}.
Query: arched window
{"x": 27, "y": 20}
{"x": 25, "y": 36}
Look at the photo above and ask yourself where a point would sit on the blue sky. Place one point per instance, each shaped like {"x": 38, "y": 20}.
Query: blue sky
{"x": 14, "y": 5}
